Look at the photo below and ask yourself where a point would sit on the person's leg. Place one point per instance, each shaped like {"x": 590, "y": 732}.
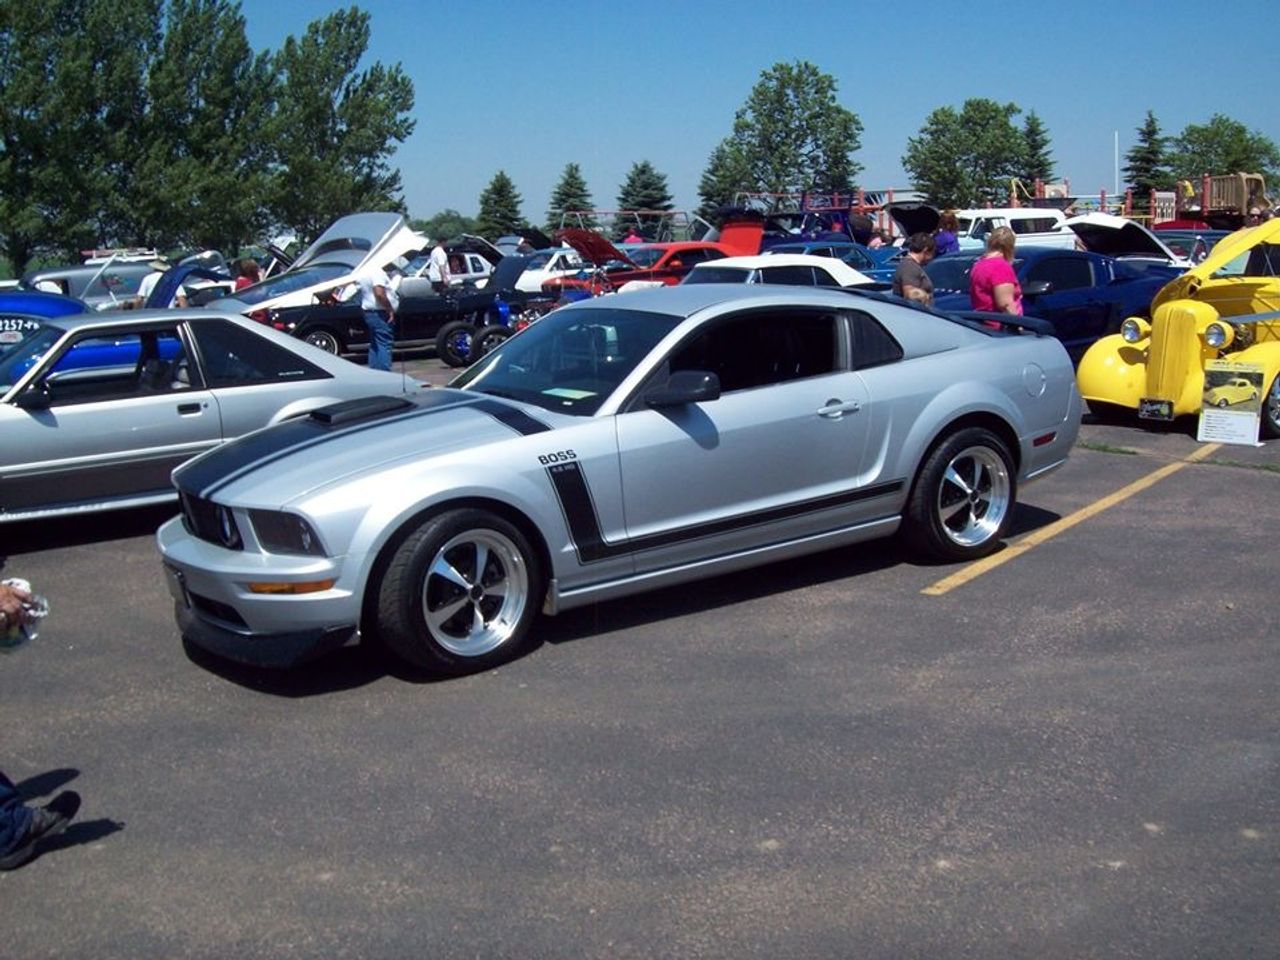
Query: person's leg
{"x": 15, "y": 816}
{"x": 380, "y": 340}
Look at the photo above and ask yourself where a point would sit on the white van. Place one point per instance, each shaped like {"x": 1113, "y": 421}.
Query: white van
{"x": 1033, "y": 225}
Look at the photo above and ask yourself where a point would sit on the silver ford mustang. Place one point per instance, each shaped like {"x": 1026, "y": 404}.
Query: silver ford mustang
{"x": 618, "y": 445}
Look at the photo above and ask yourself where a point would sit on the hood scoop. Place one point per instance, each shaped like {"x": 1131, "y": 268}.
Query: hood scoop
{"x": 364, "y": 408}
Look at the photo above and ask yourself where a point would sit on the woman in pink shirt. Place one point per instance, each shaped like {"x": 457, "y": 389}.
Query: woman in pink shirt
{"x": 993, "y": 286}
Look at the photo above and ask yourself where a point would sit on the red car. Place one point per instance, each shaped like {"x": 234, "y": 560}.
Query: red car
{"x": 664, "y": 262}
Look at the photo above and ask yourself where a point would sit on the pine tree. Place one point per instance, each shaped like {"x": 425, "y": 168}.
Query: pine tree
{"x": 1146, "y": 168}
{"x": 499, "y": 208}
{"x": 726, "y": 175}
{"x": 570, "y": 194}
{"x": 644, "y": 189}
{"x": 1037, "y": 163}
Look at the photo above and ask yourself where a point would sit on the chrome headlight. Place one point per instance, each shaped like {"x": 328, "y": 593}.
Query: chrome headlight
{"x": 1217, "y": 335}
{"x": 285, "y": 533}
{"x": 1134, "y": 330}
{"x": 225, "y": 528}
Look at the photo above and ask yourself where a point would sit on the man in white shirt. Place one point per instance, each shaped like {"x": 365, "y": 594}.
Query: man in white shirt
{"x": 438, "y": 268}
{"x": 379, "y": 315}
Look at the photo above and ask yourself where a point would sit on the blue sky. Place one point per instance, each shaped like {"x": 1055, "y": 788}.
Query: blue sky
{"x": 528, "y": 87}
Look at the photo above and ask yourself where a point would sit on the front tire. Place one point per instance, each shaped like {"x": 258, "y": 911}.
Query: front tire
{"x": 460, "y": 593}
{"x": 1271, "y": 411}
{"x": 453, "y": 343}
{"x": 487, "y": 339}
{"x": 962, "y": 502}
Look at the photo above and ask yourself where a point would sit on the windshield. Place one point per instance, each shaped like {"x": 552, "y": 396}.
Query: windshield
{"x": 719, "y": 275}
{"x": 1262, "y": 260}
{"x": 646, "y": 256}
{"x": 291, "y": 281}
{"x": 571, "y": 360}
{"x": 25, "y": 355}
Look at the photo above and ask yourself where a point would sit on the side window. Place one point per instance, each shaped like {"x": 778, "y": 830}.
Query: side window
{"x": 762, "y": 348}
{"x": 118, "y": 366}
{"x": 872, "y": 345}
{"x": 232, "y": 356}
{"x": 1065, "y": 273}
{"x": 1022, "y": 225}
{"x": 791, "y": 276}
{"x": 822, "y": 278}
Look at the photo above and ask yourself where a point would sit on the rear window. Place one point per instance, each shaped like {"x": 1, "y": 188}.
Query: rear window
{"x": 1033, "y": 225}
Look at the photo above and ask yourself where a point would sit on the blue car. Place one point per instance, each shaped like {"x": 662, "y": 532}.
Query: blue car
{"x": 1085, "y": 296}
{"x": 854, "y": 254}
{"x": 22, "y": 310}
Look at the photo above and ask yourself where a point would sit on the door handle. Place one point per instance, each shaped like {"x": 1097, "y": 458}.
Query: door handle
{"x": 835, "y": 408}
{"x": 186, "y": 409}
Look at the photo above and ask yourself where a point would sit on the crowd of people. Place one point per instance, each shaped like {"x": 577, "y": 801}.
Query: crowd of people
{"x": 993, "y": 285}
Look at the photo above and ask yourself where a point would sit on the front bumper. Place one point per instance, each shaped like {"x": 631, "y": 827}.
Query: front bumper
{"x": 216, "y": 610}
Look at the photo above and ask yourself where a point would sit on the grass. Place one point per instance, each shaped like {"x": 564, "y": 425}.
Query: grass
{"x": 1105, "y": 448}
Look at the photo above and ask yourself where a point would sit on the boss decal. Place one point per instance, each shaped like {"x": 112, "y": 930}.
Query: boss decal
{"x": 560, "y": 456}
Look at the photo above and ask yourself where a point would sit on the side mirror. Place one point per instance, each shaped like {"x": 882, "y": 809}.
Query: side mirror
{"x": 35, "y": 397}
{"x": 685, "y": 387}
{"x": 1037, "y": 288}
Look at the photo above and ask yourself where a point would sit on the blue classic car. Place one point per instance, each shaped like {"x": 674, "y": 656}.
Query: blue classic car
{"x": 22, "y": 310}
{"x": 1084, "y": 295}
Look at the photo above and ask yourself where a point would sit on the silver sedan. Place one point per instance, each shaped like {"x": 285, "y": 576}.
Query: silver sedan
{"x": 617, "y": 445}
{"x": 97, "y": 410}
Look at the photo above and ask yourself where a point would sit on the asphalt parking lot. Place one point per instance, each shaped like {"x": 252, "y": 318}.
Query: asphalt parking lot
{"x": 1073, "y": 752}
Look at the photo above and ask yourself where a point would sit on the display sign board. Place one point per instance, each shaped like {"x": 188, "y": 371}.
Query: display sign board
{"x": 1232, "y": 407}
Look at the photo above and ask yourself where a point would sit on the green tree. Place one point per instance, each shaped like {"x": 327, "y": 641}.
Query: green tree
{"x": 200, "y": 173}
{"x": 335, "y": 129}
{"x": 499, "y": 208}
{"x": 1037, "y": 161}
{"x": 792, "y": 135}
{"x": 1223, "y": 145}
{"x": 726, "y": 176}
{"x": 447, "y": 223}
{"x": 966, "y": 159}
{"x": 69, "y": 103}
{"x": 644, "y": 189}
{"x": 1145, "y": 167}
{"x": 570, "y": 193}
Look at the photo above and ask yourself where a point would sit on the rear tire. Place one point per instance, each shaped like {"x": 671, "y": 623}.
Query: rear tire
{"x": 1271, "y": 411}
{"x": 460, "y": 593}
{"x": 486, "y": 339}
{"x": 962, "y": 501}
{"x": 453, "y": 343}
{"x": 1110, "y": 412}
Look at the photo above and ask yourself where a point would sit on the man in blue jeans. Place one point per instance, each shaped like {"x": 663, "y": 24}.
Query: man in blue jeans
{"x": 379, "y": 315}
{"x": 22, "y": 827}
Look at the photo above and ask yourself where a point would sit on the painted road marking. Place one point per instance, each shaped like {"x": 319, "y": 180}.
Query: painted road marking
{"x": 1015, "y": 550}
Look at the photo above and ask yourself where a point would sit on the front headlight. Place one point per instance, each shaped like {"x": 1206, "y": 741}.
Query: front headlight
{"x": 1218, "y": 335}
{"x": 285, "y": 533}
{"x": 1134, "y": 330}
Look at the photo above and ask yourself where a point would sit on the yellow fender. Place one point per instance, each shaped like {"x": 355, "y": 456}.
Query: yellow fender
{"x": 1115, "y": 372}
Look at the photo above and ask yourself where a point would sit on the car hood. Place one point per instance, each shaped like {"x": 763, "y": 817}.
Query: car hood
{"x": 1115, "y": 236}
{"x": 1223, "y": 252}
{"x": 914, "y": 217}
{"x": 473, "y": 244}
{"x": 592, "y": 246}
{"x": 272, "y": 468}
{"x": 352, "y": 240}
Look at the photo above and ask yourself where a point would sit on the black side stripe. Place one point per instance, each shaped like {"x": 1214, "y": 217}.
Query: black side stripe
{"x": 512, "y": 417}
{"x": 243, "y": 455}
{"x": 584, "y": 523}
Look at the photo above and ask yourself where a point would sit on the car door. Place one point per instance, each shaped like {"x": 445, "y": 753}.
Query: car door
{"x": 251, "y": 377}
{"x": 108, "y": 416}
{"x": 777, "y": 456}
{"x": 1074, "y": 304}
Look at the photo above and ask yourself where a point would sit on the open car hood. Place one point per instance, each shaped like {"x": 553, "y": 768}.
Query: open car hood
{"x": 1117, "y": 237}
{"x": 592, "y": 246}
{"x": 353, "y": 240}
{"x": 914, "y": 216}
{"x": 470, "y": 243}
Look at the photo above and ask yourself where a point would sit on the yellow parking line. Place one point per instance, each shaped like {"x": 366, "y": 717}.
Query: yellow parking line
{"x": 1015, "y": 550}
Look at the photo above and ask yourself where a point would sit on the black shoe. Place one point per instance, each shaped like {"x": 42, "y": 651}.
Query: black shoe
{"x": 47, "y": 821}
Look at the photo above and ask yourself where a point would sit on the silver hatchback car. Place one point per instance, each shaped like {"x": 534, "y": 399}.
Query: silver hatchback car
{"x": 97, "y": 409}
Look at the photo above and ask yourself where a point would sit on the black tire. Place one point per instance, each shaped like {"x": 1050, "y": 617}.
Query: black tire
{"x": 428, "y": 619}
{"x": 453, "y": 343}
{"x": 1222, "y": 402}
{"x": 326, "y": 339}
{"x": 962, "y": 501}
{"x": 1110, "y": 412}
{"x": 487, "y": 338}
{"x": 1271, "y": 411}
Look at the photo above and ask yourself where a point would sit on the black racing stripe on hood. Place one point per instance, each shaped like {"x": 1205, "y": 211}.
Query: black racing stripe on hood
{"x": 210, "y": 473}
{"x": 513, "y": 417}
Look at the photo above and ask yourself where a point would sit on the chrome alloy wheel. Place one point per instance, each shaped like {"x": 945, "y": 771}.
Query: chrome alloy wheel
{"x": 475, "y": 590}
{"x": 1272, "y": 413}
{"x": 974, "y": 496}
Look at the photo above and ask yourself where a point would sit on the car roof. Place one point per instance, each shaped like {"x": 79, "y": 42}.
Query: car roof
{"x": 684, "y": 300}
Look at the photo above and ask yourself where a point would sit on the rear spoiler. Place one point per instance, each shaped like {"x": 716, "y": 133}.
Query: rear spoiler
{"x": 1006, "y": 322}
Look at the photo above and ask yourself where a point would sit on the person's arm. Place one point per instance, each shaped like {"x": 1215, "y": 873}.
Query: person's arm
{"x": 1002, "y": 294}
{"x": 380, "y": 295}
{"x": 916, "y": 294}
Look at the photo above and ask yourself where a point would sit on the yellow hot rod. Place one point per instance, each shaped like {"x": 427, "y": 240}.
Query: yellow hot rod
{"x": 1227, "y": 307}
